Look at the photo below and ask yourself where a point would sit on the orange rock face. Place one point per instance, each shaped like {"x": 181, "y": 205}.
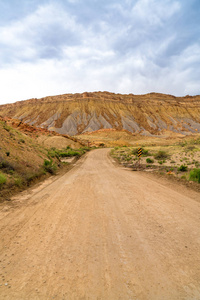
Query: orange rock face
{"x": 72, "y": 114}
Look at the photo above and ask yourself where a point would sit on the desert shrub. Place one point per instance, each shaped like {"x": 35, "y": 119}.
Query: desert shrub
{"x": 3, "y": 179}
{"x": 190, "y": 148}
{"x": 22, "y": 141}
{"x": 85, "y": 148}
{"x": 69, "y": 153}
{"x": 183, "y": 168}
{"x": 128, "y": 158}
{"x": 49, "y": 166}
{"x": 145, "y": 152}
{"x": 197, "y": 142}
{"x": 18, "y": 181}
{"x": 53, "y": 153}
{"x": 183, "y": 144}
{"x": 149, "y": 160}
{"x": 135, "y": 151}
{"x": 195, "y": 175}
{"x": 32, "y": 176}
{"x": 161, "y": 155}
{"x": 7, "y": 166}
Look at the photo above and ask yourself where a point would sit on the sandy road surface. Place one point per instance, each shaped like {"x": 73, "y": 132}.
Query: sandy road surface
{"x": 100, "y": 232}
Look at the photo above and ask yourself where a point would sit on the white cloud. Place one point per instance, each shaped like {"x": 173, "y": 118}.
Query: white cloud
{"x": 51, "y": 52}
{"x": 154, "y": 12}
{"x": 26, "y": 38}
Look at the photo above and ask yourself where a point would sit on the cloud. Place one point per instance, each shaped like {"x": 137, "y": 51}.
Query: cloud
{"x": 38, "y": 35}
{"x": 154, "y": 12}
{"x": 126, "y": 47}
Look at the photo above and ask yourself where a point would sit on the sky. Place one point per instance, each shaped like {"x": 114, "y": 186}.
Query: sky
{"x": 52, "y": 47}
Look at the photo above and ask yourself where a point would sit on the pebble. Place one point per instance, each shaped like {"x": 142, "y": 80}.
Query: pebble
{"x": 6, "y": 284}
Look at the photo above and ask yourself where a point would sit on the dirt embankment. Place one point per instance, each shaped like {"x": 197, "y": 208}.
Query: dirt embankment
{"x": 100, "y": 232}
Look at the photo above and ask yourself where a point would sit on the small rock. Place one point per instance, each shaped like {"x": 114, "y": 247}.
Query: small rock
{"x": 6, "y": 284}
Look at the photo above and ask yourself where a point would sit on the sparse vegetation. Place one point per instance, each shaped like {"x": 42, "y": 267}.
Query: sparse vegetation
{"x": 49, "y": 166}
{"x": 183, "y": 168}
{"x": 149, "y": 160}
{"x": 161, "y": 155}
{"x": 3, "y": 179}
{"x": 18, "y": 181}
{"x": 6, "y": 166}
{"x": 22, "y": 141}
{"x": 185, "y": 159}
{"x": 70, "y": 153}
{"x": 195, "y": 175}
{"x": 24, "y": 161}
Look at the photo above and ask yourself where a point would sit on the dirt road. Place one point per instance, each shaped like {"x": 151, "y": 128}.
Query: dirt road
{"x": 100, "y": 232}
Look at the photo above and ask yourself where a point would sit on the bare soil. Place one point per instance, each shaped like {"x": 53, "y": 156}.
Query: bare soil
{"x": 100, "y": 232}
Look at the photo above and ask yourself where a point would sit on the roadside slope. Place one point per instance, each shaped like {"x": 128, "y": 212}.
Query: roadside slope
{"x": 100, "y": 232}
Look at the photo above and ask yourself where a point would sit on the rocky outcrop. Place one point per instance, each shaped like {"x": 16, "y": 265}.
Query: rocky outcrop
{"x": 72, "y": 114}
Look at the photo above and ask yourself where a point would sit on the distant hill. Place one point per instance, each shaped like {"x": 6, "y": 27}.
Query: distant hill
{"x": 72, "y": 114}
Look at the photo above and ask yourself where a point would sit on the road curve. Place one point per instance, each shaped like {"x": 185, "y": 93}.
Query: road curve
{"x": 100, "y": 232}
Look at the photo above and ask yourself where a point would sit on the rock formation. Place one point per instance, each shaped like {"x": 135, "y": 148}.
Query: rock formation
{"x": 72, "y": 114}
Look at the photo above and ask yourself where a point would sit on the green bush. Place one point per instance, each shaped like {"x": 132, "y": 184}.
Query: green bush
{"x": 149, "y": 160}
{"x": 195, "y": 175}
{"x": 161, "y": 155}
{"x": 128, "y": 158}
{"x": 183, "y": 168}
{"x": 49, "y": 166}
{"x": 85, "y": 148}
{"x": 145, "y": 152}
{"x": 52, "y": 153}
{"x": 3, "y": 179}
{"x": 69, "y": 153}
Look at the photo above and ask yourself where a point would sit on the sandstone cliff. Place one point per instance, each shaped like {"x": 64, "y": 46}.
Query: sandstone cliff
{"x": 72, "y": 114}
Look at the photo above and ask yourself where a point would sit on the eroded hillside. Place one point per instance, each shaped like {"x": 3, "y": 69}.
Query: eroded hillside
{"x": 28, "y": 154}
{"x": 72, "y": 114}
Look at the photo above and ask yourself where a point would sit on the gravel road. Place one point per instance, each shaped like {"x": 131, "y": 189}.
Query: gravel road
{"x": 100, "y": 232}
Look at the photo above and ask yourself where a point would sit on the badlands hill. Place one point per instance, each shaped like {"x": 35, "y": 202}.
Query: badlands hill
{"x": 149, "y": 115}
